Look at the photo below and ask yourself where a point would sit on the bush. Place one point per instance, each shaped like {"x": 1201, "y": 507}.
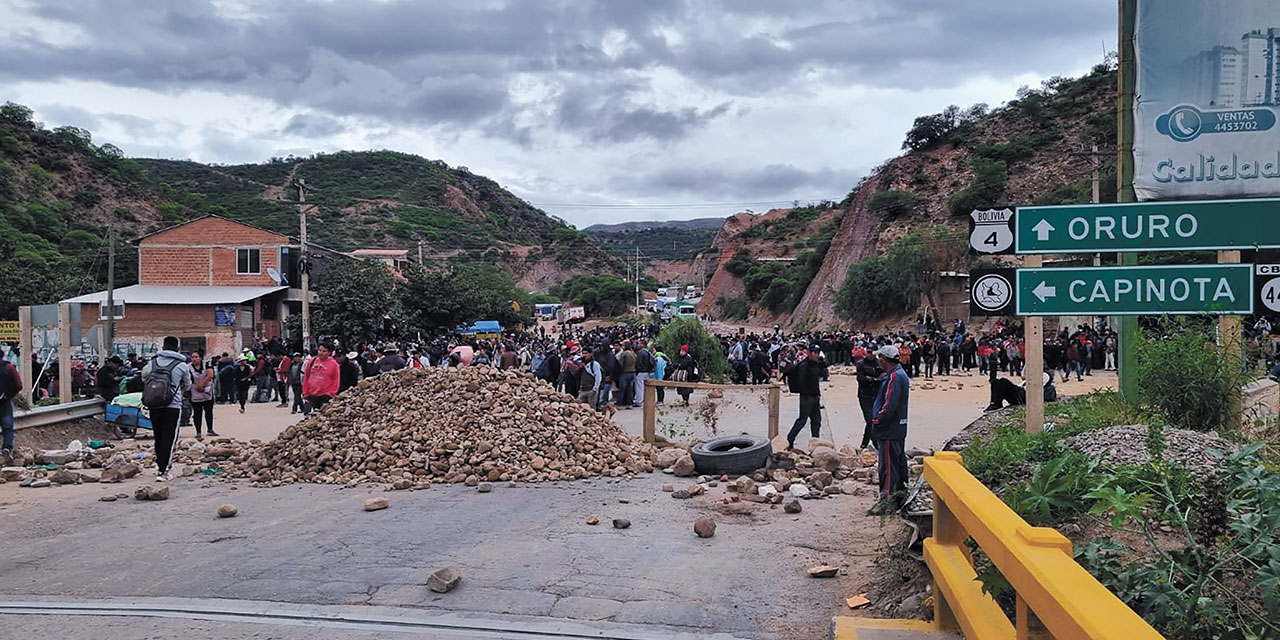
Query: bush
{"x": 893, "y": 202}
{"x": 989, "y": 180}
{"x": 704, "y": 348}
{"x": 734, "y": 308}
{"x": 1185, "y": 378}
{"x": 740, "y": 263}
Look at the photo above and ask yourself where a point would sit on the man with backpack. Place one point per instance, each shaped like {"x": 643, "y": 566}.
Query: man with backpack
{"x": 10, "y": 387}
{"x": 167, "y": 379}
{"x": 803, "y": 379}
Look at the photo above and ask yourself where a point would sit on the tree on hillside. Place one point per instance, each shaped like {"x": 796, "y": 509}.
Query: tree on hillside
{"x": 881, "y": 286}
{"x": 355, "y": 296}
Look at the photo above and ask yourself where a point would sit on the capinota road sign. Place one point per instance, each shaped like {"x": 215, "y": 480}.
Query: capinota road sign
{"x": 1213, "y": 288}
{"x": 1149, "y": 226}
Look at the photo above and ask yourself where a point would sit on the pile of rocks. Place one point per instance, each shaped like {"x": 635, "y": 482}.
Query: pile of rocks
{"x": 475, "y": 424}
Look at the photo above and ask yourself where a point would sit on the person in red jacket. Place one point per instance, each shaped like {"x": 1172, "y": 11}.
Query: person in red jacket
{"x": 320, "y": 379}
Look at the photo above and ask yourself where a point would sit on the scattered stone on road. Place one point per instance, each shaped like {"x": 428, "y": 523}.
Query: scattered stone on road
{"x": 680, "y": 494}
{"x": 227, "y": 511}
{"x": 823, "y": 571}
{"x": 107, "y": 499}
{"x": 593, "y": 519}
{"x": 376, "y": 504}
{"x": 850, "y": 488}
{"x": 401, "y": 485}
{"x": 792, "y": 506}
{"x": 444, "y": 580}
{"x": 704, "y": 527}
{"x": 621, "y": 523}
{"x": 36, "y": 483}
{"x": 695, "y": 490}
{"x": 668, "y": 488}
{"x": 148, "y": 492}
{"x": 484, "y": 487}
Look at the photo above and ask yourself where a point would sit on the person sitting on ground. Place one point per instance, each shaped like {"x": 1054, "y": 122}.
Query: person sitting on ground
{"x": 1004, "y": 391}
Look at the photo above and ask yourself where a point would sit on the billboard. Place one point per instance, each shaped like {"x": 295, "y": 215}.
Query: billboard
{"x": 1206, "y": 97}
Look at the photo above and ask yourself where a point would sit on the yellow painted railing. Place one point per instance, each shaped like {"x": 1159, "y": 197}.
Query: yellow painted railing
{"x": 1037, "y": 561}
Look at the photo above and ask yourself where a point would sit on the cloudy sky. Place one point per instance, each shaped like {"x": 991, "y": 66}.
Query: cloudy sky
{"x": 596, "y": 110}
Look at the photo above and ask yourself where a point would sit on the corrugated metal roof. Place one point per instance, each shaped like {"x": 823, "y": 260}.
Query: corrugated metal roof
{"x": 154, "y": 294}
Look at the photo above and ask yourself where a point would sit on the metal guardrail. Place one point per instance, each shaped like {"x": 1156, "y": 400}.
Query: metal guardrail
{"x": 1037, "y": 561}
{"x": 53, "y": 414}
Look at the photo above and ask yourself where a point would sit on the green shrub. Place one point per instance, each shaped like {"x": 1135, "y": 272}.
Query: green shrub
{"x": 740, "y": 263}
{"x": 734, "y": 308}
{"x": 893, "y": 203}
{"x": 1186, "y": 379}
{"x": 704, "y": 347}
{"x": 989, "y": 180}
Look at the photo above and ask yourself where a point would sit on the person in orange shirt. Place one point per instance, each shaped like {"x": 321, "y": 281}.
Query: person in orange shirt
{"x": 320, "y": 379}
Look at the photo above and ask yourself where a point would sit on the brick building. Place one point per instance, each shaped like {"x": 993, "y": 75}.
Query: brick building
{"x": 218, "y": 285}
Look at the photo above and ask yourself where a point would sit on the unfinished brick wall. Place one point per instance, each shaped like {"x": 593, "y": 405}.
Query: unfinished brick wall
{"x": 203, "y": 253}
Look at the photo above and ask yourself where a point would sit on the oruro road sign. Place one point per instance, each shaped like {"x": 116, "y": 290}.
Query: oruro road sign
{"x": 1223, "y": 289}
{"x": 1149, "y": 226}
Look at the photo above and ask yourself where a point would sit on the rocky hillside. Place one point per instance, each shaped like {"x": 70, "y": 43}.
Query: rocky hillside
{"x": 1036, "y": 149}
{"x": 59, "y": 191}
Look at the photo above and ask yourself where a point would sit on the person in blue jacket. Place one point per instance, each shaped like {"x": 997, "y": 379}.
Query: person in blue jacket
{"x": 889, "y": 430}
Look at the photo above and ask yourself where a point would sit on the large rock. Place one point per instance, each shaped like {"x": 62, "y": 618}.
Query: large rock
{"x": 668, "y": 457}
{"x": 64, "y": 477}
{"x": 444, "y": 580}
{"x": 819, "y": 443}
{"x": 684, "y": 467}
{"x": 376, "y": 504}
{"x": 826, "y": 458}
{"x": 227, "y": 511}
{"x": 56, "y": 456}
{"x": 823, "y": 571}
{"x": 850, "y": 488}
{"x": 148, "y": 492}
{"x": 704, "y": 527}
{"x": 743, "y": 484}
{"x": 12, "y": 474}
{"x": 792, "y": 506}
{"x": 821, "y": 480}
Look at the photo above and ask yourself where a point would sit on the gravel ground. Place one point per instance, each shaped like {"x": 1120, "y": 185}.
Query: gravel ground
{"x": 1127, "y": 444}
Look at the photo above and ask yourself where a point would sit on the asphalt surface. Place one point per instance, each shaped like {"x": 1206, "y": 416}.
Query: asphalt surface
{"x": 524, "y": 551}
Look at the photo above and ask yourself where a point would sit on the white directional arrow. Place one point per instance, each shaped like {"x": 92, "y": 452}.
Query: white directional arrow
{"x": 1042, "y": 230}
{"x": 1044, "y": 291}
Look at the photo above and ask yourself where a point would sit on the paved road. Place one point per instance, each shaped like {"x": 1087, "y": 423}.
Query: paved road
{"x": 524, "y": 551}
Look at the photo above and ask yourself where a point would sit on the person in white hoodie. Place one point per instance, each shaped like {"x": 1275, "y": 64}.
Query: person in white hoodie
{"x": 164, "y": 420}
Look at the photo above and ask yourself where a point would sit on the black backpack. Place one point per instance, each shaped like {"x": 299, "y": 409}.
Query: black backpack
{"x": 158, "y": 391}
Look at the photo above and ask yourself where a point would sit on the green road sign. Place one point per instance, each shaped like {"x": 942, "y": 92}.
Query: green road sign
{"x": 1149, "y": 226}
{"x": 1219, "y": 288}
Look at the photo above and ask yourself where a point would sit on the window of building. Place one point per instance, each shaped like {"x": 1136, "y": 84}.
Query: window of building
{"x": 119, "y": 310}
{"x": 248, "y": 260}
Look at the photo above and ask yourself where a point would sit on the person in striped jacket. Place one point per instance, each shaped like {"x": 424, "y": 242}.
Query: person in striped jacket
{"x": 889, "y": 430}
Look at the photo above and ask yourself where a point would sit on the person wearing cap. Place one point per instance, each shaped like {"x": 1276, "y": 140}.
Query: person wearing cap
{"x": 889, "y": 428}
{"x": 348, "y": 370}
{"x": 804, "y": 379}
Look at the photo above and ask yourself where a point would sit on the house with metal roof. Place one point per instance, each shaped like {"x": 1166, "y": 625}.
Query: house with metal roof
{"x": 217, "y": 284}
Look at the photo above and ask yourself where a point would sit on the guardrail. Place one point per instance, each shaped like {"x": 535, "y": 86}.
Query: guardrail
{"x": 1037, "y": 561}
{"x": 53, "y": 414}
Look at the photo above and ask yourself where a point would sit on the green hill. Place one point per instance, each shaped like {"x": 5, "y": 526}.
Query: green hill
{"x": 59, "y": 192}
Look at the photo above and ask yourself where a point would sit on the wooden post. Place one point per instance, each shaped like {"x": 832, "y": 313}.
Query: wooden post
{"x": 24, "y": 346}
{"x": 64, "y": 352}
{"x": 1230, "y": 339}
{"x": 775, "y": 406}
{"x": 1033, "y": 334}
{"x": 650, "y": 411}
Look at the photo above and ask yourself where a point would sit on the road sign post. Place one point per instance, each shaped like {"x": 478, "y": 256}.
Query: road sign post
{"x": 1225, "y": 289}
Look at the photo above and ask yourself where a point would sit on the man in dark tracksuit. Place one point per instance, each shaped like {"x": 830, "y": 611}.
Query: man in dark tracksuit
{"x": 889, "y": 430}
{"x": 804, "y": 378}
{"x": 868, "y": 385}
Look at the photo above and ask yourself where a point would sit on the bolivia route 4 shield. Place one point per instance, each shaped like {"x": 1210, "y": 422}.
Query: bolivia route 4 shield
{"x": 1220, "y": 289}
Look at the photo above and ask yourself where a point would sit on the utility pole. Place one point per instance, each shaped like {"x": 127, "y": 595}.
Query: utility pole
{"x": 638, "y": 281}
{"x": 1127, "y": 78}
{"x": 419, "y": 253}
{"x": 306, "y": 268}
{"x": 109, "y": 339}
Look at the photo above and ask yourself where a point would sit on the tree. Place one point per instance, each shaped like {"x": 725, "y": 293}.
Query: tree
{"x": 599, "y": 295}
{"x": 17, "y": 114}
{"x": 444, "y": 299}
{"x": 354, "y": 298}
{"x": 704, "y": 348}
{"x": 893, "y": 203}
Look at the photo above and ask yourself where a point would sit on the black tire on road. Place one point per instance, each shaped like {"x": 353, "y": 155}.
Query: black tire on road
{"x": 731, "y": 455}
